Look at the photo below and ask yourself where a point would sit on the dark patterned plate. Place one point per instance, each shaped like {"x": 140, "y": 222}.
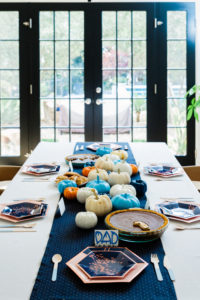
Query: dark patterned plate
{"x": 106, "y": 264}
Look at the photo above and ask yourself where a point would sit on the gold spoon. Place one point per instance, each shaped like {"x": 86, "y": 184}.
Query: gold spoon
{"x": 19, "y": 226}
{"x": 55, "y": 259}
{"x": 181, "y": 227}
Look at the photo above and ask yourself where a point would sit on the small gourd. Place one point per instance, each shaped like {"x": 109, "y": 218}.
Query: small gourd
{"x": 100, "y": 185}
{"x": 125, "y": 201}
{"x": 84, "y": 193}
{"x": 118, "y": 189}
{"x": 86, "y": 170}
{"x": 119, "y": 178}
{"x": 64, "y": 184}
{"x": 123, "y": 166}
{"x": 104, "y": 163}
{"x": 103, "y": 175}
{"x": 121, "y": 154}
{"x": 86, "y": 219}
{"x": 70, "y": 193}
{"x": 103, "y": 150}
{"x": 112, "y": 157}
{"x": 134, "y": 169}
{"x": 101, "y": 205}
{"x": 140, "y": 186}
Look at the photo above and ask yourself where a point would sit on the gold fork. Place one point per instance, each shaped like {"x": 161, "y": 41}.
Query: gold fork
{"x": 155, "y": 262}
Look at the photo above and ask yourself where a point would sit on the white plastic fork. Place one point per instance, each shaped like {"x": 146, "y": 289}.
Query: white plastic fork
{"x": 155, "y": 262}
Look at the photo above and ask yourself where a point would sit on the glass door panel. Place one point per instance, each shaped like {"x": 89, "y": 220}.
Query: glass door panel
{"x": 62, "y": 75}
{"x": 9, "y": 84}
{"x": 176, "y": 82}
{"x": 124, "y": 75}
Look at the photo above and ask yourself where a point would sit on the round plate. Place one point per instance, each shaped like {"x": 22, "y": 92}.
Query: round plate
{"x": 123, "y": 220}
{"x": 79, "y": 160}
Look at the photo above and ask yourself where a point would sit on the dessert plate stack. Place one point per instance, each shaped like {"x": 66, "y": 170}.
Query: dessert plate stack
{"x": 106, "y": 265}
{"x": 163, "y": 171}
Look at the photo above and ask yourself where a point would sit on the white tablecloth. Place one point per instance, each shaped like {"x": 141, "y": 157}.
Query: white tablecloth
{"x": 21, "y": 253}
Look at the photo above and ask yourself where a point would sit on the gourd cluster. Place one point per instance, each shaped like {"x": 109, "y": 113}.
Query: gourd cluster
{"x": 108, "y": 188}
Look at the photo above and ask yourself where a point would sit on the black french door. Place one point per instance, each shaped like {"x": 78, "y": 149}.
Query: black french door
{"x": 96, "y": 71}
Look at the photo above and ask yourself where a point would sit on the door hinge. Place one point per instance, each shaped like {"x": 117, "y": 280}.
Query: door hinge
{"x": 28, "y": 23}
{"x": 157, "y": 23}
{"x": 155, "y": 89}
{"x": 31, "y": 89}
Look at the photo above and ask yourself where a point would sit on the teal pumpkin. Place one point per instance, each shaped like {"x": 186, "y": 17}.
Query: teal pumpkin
{"x": 101, "y": 186}
{"x": 103, "y": 150}
{"x": 64, "y": 184}
{"x": 125, "y": 201}
{"x": 116, "y": 161}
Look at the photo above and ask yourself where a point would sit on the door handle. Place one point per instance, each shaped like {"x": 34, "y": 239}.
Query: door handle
{"x": 99, "y": 101}
{"x": 88, "y": 101}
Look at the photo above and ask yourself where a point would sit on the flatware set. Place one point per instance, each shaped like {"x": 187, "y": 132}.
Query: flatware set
{"x": 166, "y": 263}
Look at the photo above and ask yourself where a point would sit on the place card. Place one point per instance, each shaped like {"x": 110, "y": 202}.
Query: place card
{"x": 61, "y": 206}
{"x": 106, "y": 238}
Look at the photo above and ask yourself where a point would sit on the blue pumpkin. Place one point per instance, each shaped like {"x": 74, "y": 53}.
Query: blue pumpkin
{"x": 116, "y": 161}
{"x": 140, "y": 186}
{"x": 64, "y": 184}
{"x": 125, "y": 201}
{"x": 103, "y": 150}
{"x": 101, "y": 186}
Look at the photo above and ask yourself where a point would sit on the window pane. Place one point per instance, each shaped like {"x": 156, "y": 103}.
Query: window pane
{"x": 61, "y": 25}
{"x": 124, "y": 22}
{"x": 9, "y": 55}
{"x": 10, "y": 113}
{"x": 10, "y": 142}
{"x": 9, "y": 24}
{"x": 77, "y": 84}
{"x": 177, "y": 140}
{"x": 62, "y": 55}
{"x": 109, "y": 113}
{"x": 77, "y": 113}
{"x": 176, "y": 83}
{"x": 176, "y": 54}
{"x": 9, "y": 84}
{"x": 124, "y": 134}
{"x": 139, "y": 25}
{"x": 109, "y": 84}
{"x": 46, "y": 55}
{"x": 46, "y": 25}
{"x": 176, "y": 112}
{"x": 77, "y": 55}
{"x": 47, "y": 135}
{"x": 76, "y": 25}
{"x": 62, "y": 84}
{"x": 109, "y": 54}
{"x": 139, "y": 113}
{"x": 47, "y": 84}
{"x": 47, "y": 113}
{"x": 139, "y": 134}
{"x": 176, "y": 24}
{"x": 139, "y": 54}
{"x": 109, "y": 25}
{"x": 124, "y": 54}
{"x": 124, "y": 113}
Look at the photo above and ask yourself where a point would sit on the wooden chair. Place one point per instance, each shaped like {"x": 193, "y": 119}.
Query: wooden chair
{"x": 6, "y": 175}
{"x": 193, "y": 173}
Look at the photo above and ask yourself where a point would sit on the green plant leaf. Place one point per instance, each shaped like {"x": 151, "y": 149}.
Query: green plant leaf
{"x": 189, "y": 114}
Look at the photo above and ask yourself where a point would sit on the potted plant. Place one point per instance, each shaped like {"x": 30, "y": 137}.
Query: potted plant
{"x": 195, "y": 102}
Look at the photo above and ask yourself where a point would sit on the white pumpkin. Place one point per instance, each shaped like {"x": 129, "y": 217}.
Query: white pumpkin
{"x": 123, "y": 167}
{"x": 118, "y": 189}
{"x": 112, "y": 157}
{"x": 104, "y": 163}
{"x": 122, "y": 154}
{"x": 86, "y": 219}
{"x": 103, "y": 175}
{"x": 101, "y": 205}
{"x": 119, "y": 178}
{"x": 84, "y": 193}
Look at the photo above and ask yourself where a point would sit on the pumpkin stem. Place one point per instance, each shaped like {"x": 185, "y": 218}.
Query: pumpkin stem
{"x": 95, "y": 193}
{"x": 118, "y": 171}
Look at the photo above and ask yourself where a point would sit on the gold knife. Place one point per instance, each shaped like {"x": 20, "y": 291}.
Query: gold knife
{"x": 167, "y": 265}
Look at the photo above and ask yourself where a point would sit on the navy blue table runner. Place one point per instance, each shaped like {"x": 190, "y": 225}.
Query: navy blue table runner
{"x": 68, "y": 240}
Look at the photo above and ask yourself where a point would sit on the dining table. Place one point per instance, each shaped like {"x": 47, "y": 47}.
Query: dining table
{"x": 21, "y": 253}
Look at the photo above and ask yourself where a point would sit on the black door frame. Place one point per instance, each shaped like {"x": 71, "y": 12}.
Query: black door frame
{"x": 29, "y": 66}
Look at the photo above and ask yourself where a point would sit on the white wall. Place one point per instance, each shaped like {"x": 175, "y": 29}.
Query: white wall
{"x": 197, "y": 44}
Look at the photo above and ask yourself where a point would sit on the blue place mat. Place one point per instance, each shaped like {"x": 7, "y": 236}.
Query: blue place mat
{"x": 68, "y": 240}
